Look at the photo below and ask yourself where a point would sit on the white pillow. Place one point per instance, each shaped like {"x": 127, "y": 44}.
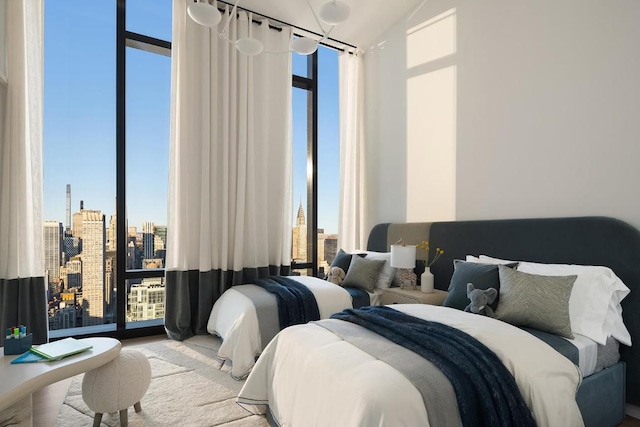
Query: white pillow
{"x": 483, "y": 259}
{"x": 471, "y": 258}
{"x": 386, "y": 274}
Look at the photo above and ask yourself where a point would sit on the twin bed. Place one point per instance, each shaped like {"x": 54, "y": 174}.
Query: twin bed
{"x": 335, "y": 373}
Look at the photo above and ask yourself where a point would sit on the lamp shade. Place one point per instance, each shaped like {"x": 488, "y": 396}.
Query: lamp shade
{"x": 334, "y": 12}
{"x": 249, "y": 46}
{"x": 304, "y": 46}
{"x": 204, "y": 14}
{"x": 403, "y": 256}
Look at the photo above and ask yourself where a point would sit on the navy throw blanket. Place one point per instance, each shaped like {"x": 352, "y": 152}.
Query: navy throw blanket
{"x": 486, "y": 392}
{"x": 359, "y": 297}
{"x": 296, "y": 303}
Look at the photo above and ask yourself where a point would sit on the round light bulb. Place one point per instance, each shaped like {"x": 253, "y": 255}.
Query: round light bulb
{"x": 249, "y": 46}
{"x": 204, "y": 14}
{"x": 304, "y": 46}
{"x": 334, "y": 12}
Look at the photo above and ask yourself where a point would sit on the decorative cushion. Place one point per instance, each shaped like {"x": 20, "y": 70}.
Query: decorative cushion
{"x": 363, "y": 273}
{"x": 483, "y": 276}
{"x": 386, "y": 276}
{"x": 343, "y": 260}
{"x": 540, "y": 302}
{"x": 119, "y": 384}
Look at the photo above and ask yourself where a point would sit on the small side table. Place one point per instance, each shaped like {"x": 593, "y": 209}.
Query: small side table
{"x": 410, "y": 296}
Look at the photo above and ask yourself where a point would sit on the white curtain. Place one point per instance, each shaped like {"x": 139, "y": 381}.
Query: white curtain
{"x": 22, "y": 287}
{"x": 351, "y": 235}
{"x": 230, "y": 165}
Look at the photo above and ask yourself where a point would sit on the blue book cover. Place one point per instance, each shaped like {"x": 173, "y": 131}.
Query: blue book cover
{"x": 29, "y": 357}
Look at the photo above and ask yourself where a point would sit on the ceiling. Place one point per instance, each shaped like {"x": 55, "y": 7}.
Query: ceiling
{"x": 368, "y": 19}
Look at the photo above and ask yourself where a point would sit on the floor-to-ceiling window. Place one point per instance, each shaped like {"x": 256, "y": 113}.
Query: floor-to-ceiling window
{"x": 316, "y": 161}
{"x": 106, "y": 147}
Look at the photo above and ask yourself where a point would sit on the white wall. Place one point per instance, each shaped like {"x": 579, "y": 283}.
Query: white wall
{"x": 538, "y": 116}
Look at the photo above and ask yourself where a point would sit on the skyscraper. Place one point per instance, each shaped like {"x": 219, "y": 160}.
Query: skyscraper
{"x": 52, "y": 239}
{"x": 299, "y": 237}
{"x": 68, "y": 216}
{"x": 147, "y": 240}
{"x": 77, "y": 222}
{"x": 112, "y": 234}
{"x": 93, "y": 267}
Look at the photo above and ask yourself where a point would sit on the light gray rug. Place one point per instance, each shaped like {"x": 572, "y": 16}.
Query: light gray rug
{"x": 188, "y": 388}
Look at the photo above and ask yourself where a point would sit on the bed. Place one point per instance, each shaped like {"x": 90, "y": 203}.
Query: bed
{"x": 245, "y": 318}
{"x": 309, "y": 375}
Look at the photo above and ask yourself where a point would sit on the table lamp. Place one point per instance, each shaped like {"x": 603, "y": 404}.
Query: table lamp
{"x": 403, "y": 257}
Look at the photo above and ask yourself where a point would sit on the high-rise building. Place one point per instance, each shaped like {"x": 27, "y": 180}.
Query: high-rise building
{"x": 74, "y": 272}
{"x": 161, "y": 232}
{"x": 146, "y": 300}
{"x": 299, "y": 237}
{"x": 93, "y": 267}
{"x": 68, "y": 212}
{"x": 77, "y": 222}
{"x": 52, "y": 242}
{"x": 112, "y": 234}
{"x": 148, "y": 240}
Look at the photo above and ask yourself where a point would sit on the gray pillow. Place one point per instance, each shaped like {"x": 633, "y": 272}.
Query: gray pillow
{"x": 540, "y": 302}
{"x": 483, "y": 276}
{"x": 363, "y": 273}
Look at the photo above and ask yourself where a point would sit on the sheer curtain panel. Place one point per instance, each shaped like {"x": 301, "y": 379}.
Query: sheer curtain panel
{"x": 229, "y": 215}
{"x": 352, "y": 162}
{"x": 22, "y": 286}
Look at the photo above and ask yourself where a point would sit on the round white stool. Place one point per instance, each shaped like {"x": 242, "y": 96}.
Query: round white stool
{"x": 117, "y": 385}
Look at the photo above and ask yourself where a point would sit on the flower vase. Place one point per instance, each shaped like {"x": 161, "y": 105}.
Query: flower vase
{"x": 426, "y": 281}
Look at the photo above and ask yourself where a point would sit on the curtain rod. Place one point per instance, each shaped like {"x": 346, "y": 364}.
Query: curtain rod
{"x": 292, "y": 26}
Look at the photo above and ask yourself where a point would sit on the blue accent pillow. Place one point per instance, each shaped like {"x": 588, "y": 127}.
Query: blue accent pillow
{"x": 483, "y": 276}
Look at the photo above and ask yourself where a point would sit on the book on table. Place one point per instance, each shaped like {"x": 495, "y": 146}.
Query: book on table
{"x": 52, "y": 351}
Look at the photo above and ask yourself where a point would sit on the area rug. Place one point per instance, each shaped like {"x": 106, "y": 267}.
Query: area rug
{"x": 189, "y": 387}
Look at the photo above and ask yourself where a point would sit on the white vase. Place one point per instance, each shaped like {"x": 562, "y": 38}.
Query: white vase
{"x": 426, "y": 281}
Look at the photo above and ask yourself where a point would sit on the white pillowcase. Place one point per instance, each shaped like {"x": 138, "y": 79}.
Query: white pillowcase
{"x": 594, "y": 306}
{"x": 386, "y": 274}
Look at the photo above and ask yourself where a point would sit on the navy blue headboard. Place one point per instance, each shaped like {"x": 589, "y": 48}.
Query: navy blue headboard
{"x": 583, "y": 240}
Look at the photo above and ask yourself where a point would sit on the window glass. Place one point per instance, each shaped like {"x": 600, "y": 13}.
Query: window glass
{"x": 328, "y": 157}
{"x": 150, "y": 18}
{"x": 301, "y": 169}
{"x": 79, "y": 161}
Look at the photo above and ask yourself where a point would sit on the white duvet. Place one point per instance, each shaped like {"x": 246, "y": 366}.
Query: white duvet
{"x": 310, "y": 377}
{"x": 234, "y": 319}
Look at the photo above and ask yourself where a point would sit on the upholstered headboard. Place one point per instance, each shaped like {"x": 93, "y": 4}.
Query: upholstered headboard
{"x": 585, "y": 240}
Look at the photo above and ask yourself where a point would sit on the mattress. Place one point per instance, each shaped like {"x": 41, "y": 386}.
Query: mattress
{"x": 585, "y": 353}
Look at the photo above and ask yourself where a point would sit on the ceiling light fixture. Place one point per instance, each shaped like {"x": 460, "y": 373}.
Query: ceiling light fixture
{"x": 332, "y": 13}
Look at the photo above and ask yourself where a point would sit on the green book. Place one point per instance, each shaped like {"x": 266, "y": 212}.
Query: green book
{"x": 58, "y": 349}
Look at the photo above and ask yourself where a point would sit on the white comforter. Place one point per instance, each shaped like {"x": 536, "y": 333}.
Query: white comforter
{"x": 234, "y": 319}
{"x": 311, "y": 377}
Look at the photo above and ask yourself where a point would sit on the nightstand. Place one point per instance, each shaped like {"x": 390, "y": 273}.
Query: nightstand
{"x": 409, "y": 296}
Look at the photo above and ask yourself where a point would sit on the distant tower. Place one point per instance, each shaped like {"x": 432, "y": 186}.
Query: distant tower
{"x": 93, "y": 267}
{"x": 299, "y": 237}
{"x": 77, "y": 222}
{"x": 52, "y": 239}
{"x": 68, "y": 224}
{"x": 148, "y": 240}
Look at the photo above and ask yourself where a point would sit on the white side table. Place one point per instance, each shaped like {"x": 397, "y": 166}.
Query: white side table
{"x": 20, "y": 381}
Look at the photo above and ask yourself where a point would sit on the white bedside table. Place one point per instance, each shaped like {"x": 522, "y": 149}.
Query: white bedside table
{"x": 408, "y": 296}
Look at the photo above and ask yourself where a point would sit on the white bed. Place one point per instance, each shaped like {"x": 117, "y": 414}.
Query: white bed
{"x": 234, "y": 319}
{"x": 310, "y": 377}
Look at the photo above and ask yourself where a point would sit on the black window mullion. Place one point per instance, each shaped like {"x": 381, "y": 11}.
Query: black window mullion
{"x": 121, "y": 229}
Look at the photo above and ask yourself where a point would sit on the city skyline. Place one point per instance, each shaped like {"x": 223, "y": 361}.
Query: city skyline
{"x": 80, "y": 108}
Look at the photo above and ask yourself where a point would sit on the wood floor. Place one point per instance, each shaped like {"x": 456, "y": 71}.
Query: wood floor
{"x": 47, "y": 402}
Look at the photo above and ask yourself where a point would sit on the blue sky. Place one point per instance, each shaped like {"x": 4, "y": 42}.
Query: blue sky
{"x": 79, "y": 115}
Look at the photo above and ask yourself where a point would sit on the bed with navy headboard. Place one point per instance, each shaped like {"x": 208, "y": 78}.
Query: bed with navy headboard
{"x": 596, "y": 241}
{"x": 583, "y": 240}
